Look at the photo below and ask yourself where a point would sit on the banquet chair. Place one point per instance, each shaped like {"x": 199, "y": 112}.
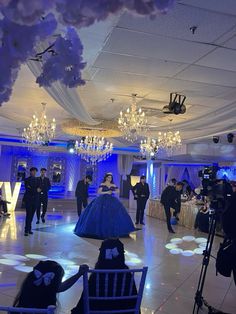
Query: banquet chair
{"x": 10, "y": 309}
{"x": 111, "y": 291}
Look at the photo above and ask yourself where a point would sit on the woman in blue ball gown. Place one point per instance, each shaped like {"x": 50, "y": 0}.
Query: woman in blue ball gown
{"x": 105, "y": 217}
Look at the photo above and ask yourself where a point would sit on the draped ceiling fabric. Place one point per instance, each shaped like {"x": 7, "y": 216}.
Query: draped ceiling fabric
{"x": 200, "y": 127}
{"x": 67, "y": 98}
{"x": 125, "y": 163}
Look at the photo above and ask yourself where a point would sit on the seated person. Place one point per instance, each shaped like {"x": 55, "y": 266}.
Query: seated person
{"x": 202, "y": 219}
{"x": 111, "y": 256}
{"x": 40, "y": 287}
{"x": 3, "y": 206}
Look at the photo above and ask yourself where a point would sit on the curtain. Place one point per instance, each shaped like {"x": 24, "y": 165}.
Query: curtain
{"x": 67, "y": 98}
{"x": 193, "y": 176}
{"x": 125, "y": 163}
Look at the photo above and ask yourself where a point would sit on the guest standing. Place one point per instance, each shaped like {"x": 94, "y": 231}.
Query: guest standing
{"x": 81, "y": 193}
{"x": 31, "y": 199}
{"x": 170, "y": 198}
{"x": 44, "y": 187}
{"x": 141, "y": 194}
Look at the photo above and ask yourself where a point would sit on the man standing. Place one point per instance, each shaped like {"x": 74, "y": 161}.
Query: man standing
{"x": 141, "y": 194}
{"x": 170, "y": 198}
{"x": 44, "y": 187}
{"x": 81, "y": 193}
{"x": 31, "y": 199}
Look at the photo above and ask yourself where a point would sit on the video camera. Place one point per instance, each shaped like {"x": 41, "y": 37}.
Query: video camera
{"x": 216, "y": 189}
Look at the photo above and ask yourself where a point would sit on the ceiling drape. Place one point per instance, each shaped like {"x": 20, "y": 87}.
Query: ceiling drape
{"x": 67, "y": 98}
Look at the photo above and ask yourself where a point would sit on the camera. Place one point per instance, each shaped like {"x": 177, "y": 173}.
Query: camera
{"x": 216, "y": 189}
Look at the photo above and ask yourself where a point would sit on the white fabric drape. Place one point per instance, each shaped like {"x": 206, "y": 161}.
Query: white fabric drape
{"x": 193, "y": 176}
{"x": 174, "y": 172}
{"x": 67, "y": 98}
{"x": 125, "y": 163}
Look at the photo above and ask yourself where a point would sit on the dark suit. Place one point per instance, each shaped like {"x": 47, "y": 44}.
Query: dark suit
{"x": 45, "y": 186}
{"x": 170, "y": 198}
{"x": 81, "y": 194}
{"x": 31, "y": 200}
{"x": 141, "y": 192}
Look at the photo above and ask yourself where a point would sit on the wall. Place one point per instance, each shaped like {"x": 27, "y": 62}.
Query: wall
{"x": 75, "y": 168}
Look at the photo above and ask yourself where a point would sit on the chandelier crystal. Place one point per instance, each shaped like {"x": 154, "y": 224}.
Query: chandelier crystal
{"x": 132, "y": 122}
{"x": 40, "y": 131}
{"x": 93, "y": 149}
{"x": 149, "y": 148}
{"x": 169, "y": 140}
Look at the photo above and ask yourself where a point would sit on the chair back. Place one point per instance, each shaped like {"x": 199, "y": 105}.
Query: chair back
{"x": 10, "y": 309}
{"x": 123, "y": 285}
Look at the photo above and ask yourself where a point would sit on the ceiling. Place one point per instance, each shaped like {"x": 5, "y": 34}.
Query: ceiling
{"x": 128, "y": 54}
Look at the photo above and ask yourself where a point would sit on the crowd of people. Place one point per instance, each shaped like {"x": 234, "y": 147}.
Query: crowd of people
{"x": 104, "y": 217}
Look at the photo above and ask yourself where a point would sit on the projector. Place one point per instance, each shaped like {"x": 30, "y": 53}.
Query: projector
{"x": 176, "y": 105}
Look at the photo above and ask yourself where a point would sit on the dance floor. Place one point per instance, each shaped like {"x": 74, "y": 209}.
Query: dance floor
{"x": 174, "y": 264}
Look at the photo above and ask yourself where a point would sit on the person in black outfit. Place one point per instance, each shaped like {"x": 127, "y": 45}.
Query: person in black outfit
{"x": 44, "y": 187}
{"x": 81, "y": 193}
{"x": 170, "y": 198}
{"x": 141, "y": 194}
{"x": 202, "y": 219}
{"x": 31, "y": 199}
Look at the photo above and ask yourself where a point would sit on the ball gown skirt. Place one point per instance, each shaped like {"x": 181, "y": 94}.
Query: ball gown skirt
{"x": 105, "y": 217}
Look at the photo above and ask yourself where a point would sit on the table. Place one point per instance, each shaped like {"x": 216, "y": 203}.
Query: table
{"x": 187, "y": 215}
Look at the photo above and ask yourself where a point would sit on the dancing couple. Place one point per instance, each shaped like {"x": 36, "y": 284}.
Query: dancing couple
{"x": 105, "y": 217}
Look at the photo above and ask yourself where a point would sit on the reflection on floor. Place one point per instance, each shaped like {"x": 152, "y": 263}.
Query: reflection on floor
{"x": 174, "y": 262}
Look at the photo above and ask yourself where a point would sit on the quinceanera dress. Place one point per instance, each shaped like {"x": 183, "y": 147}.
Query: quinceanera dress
{"x": 105, "y": 217}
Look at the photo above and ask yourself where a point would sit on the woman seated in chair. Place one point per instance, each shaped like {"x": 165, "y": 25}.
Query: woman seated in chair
{"x": 202, "y": 219}
{"x": 111, "y": 256}
{"x": 40, "y": 287}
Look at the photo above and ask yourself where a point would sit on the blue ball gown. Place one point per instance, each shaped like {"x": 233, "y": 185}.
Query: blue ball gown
{"x": 105, "y": 217}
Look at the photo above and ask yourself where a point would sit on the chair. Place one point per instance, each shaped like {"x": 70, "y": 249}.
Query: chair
{"x": 108, "y": 279}
{"x": 10, "y": 309}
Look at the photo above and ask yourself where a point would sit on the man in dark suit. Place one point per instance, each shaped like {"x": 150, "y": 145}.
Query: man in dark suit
{"x": 170, "y": 198}
{"x": 31, "y": 199}
{"x": 44, "y": 187}
{"x": 81, "y": 193}
{"x": 141, "y": 194}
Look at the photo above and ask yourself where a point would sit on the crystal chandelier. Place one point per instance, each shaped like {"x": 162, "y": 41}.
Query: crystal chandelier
{"x": 40, "y": 131}
{"x": 149, "y": 148}
{"x": 133, "y": 122}
{"x": 93, "y": 149}
{"x": 169, "y": 140}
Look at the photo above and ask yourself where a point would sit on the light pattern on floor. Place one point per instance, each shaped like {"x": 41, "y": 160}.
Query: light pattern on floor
{"x": 186, "y": 246}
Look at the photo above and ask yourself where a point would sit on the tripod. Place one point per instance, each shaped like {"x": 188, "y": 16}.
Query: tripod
{"x": 199, "y": 300}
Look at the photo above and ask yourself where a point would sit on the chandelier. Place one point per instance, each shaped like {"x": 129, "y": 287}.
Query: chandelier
{"x": 40, "y": 131}
{"x": 132, "y": 122}
{"x": 169, "y": 140}
{"x": 93, "y": 149}
{"x": 149, "y": 148}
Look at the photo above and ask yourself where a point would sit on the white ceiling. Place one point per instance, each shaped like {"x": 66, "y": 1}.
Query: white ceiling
{"x": 128, "y": 54}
